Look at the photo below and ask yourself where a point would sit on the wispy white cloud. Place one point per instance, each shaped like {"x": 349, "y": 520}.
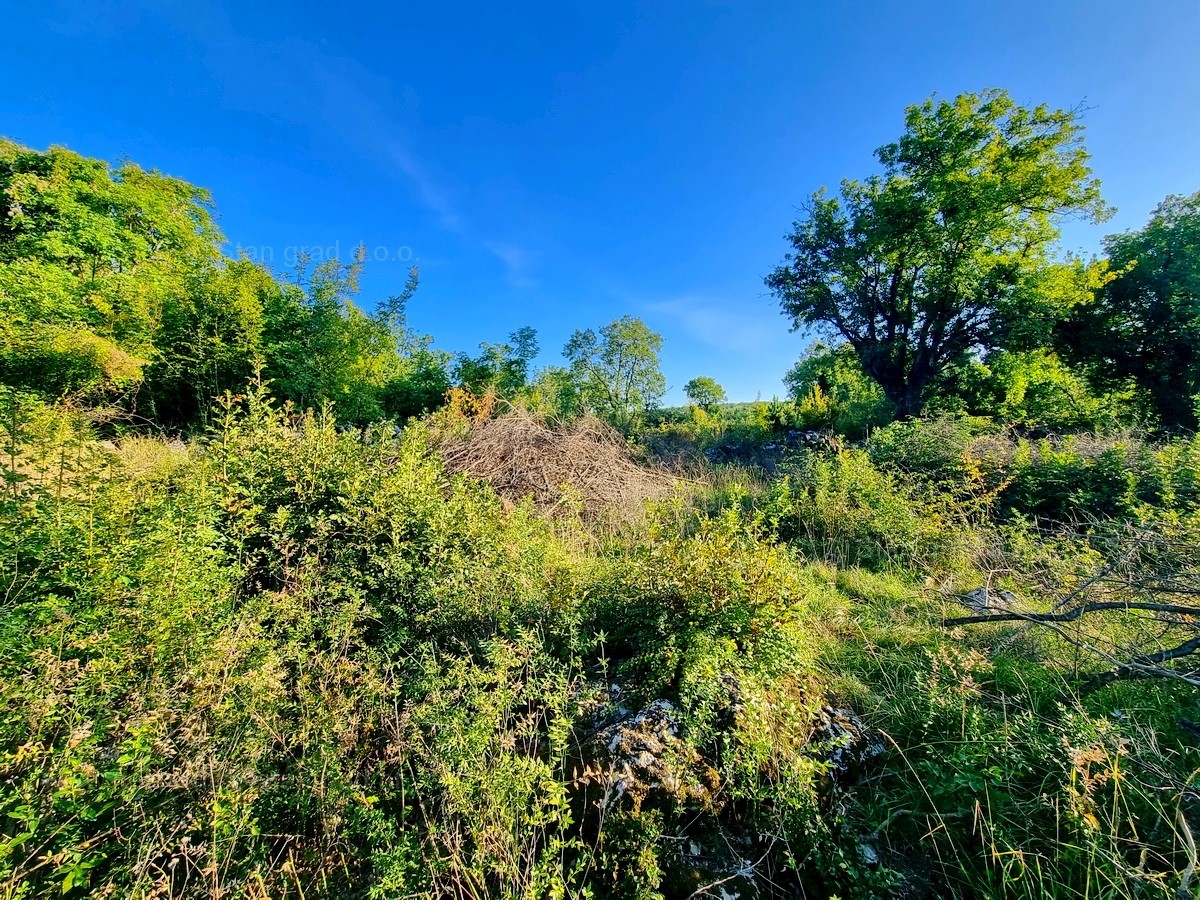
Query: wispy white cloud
{"x": 428, "y": 191}
{"x": 517, "y": 263}
{"x": 301, "y": 83}
{"x": 722, "y": 324}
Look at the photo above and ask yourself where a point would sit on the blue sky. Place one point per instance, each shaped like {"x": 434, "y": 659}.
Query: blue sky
{"x": 563, "y": 164}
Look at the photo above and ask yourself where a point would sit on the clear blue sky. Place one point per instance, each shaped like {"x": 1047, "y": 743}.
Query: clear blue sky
{"x": 562, "y": 164}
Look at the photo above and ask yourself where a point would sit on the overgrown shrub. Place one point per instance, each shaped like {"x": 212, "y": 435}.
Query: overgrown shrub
{"x": 831, "y": 392}
{"x": 841, "y": 508}
{"x": 1038, "y": 392}
{"x": 221, "y": 671}
{"x": 1074, "y": 479}
{"x": 297, "y": 660}
{"x": 290, "y": 660}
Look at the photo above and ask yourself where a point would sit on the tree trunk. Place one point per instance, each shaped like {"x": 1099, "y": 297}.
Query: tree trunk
{"x": 906, "y": 393}
{"x": 910, "y": 402}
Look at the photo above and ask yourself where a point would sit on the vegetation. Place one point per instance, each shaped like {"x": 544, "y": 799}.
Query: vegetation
{"x": 1145, "y": 323}
{"x": 705, "y": 393}
{"x": 831, "y": 392}
{"x": 500, "y": 368}
{"x": 617, "y": 371}
{"x": 947, "y": 251}
{"x": 926, "y": 628}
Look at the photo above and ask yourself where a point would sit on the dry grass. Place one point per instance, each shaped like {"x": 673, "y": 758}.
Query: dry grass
{"x": 585, "y": 465}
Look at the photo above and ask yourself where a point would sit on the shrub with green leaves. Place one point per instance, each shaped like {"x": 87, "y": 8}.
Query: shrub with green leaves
{"x": 831, "y": 392}
{"x": 289, "y": 660}
{"x": 1069, "y": 480}
{"x": 220, "y": 670}
{"x": 1036, "y": 390}
{"x": 308, "y": 661}
{"x": 841, "y": 508}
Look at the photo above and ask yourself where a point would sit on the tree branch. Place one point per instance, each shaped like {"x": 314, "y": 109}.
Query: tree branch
{"x": 1147, "y": 666}
{"x": 1073, "y": 613}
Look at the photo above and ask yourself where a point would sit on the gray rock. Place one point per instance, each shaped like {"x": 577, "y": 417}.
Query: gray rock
{"x": 843, "y": 740}
{"x": 985, "y": 599}
{"x": 641, "y": 755}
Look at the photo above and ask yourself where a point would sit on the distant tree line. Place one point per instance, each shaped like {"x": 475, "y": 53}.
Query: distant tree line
{"x": 934, "y": 286}
{"x": 115, "y": 295}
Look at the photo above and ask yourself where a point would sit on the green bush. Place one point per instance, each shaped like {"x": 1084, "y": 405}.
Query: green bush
{"x": 831, "y": 392}
{"x": 1070, "y": 480}
{"x": 841, "y": 508}
{"x": 1082, "y": 479}
{"x": 309, "y": 661}
{"x": 1038, "y": 392}
{"x": 288, "y": 660}
{"x": 936, "y": 450}
{"x": 233, "y": 659}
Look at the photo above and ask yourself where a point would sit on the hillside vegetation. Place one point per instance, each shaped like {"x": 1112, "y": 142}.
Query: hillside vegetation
{"x": 295, "y": 605}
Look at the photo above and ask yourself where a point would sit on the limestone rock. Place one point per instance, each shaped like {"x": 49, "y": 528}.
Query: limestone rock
{"x": 986, "y": 599}
{"x": 641, "y": 755}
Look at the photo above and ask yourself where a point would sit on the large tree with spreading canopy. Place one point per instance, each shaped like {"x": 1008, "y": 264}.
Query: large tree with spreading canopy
{"x": 949, "y": 250}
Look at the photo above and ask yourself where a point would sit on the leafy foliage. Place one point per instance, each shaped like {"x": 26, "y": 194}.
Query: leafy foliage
{"x": 308, "y": 660}
{"x": 705, "y": 393}
{"x": 1037, "y": 391}
{"x": 89, "y": 255}
{"x": 503, "y": 368}
{"x": 113, "y": 288}
{"x": 831, "y": 392}
{"x": 1145, "y": 323}
{"x": 617, "y": 370}
{"x": 948, "y": 249}
{"x": 842, "y": 509}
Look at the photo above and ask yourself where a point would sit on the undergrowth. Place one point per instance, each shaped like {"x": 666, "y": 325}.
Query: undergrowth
{"x": 288, "y": 661}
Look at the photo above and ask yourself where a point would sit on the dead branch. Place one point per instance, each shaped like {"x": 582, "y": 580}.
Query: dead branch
{"x": 1152, "y": 579}
{"x": 1074, "y": 613}
{"x": 1147, "y": 666}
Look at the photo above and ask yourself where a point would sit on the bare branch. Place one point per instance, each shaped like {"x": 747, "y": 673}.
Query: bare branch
{"x": 1075, "y": 613}
{"x": 1147, "y": 666}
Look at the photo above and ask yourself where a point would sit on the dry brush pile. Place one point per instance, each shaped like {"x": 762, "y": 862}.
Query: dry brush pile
{"x": 586, "y": 463}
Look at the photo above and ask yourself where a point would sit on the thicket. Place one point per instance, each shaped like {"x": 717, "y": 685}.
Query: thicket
{"x": 289, "y": 661}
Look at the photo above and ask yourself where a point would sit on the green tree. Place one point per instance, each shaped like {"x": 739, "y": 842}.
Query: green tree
{"x": 617, "y": 370}
{"x": 319, "y": 345}
{"x": 831, "y": 391}
{"x": 90, "y": 254}
{"x": 705, "y": 393}
{"x": 503, "y": 368}
{"x": 315, "y": 337}
{"x": 113, "y": 289}
{"x": 1145, "y": 323}
{"x": 421, "y": 376}
{"x": 1036, "y": 389}
{"x": 554, "y": 394}
{"x": 948, "y": 251}
{"x": 421, "y": 385}
{"x": 208, "y": 340}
